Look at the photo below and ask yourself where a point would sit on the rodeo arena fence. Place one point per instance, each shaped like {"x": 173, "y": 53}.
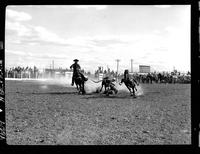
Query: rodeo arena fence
{"x": 141, "y": 77}
{"x": 34, "y": 73}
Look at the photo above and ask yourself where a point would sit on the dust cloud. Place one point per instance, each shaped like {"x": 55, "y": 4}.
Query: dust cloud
{"x": 90, "y": 85}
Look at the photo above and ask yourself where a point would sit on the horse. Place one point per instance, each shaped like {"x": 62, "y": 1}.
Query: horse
{"x": 130, "y": 84}
{"x": 79, "y": 80}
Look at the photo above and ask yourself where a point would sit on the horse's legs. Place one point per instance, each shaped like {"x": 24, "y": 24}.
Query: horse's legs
{"x": 133, "y": 88}
{"x": 77, "y": 87}
{"x": 80, "y": 88}
{"x": 129, "y": 89}
{"x": 83, "y": 89}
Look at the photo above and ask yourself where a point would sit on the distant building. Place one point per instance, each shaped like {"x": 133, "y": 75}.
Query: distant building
{"x": 144, "y": 69}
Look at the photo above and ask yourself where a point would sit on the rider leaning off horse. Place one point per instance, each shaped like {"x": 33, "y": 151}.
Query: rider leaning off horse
{"x": 127, "y": 78}
{"x": 108, "y": 85}
{"x": 76, "y": 71}
{"x": 130, "y": 83}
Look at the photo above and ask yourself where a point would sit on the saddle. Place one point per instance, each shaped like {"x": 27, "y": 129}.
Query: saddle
{"x": 77, "y": 75}
{"x": 81, "y": 76}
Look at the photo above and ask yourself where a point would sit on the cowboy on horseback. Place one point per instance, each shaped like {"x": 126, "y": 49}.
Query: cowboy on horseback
{"x": 130, "y": 83}
{"x": 76, "y": 71}
{"x": 127, "y": 78}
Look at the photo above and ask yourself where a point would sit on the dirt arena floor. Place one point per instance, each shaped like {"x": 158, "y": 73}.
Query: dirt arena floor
{"x": 37, "y": 114}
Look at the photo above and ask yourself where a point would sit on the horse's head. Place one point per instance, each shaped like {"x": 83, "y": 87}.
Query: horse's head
{"x": 126, "y": 74}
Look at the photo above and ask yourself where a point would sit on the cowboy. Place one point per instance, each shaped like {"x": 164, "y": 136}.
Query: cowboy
{"x": 76, "y": 70}
{"x": 108, "y": 83}
{"x": 127, "y": 78}
{"x": 130, "y": 83}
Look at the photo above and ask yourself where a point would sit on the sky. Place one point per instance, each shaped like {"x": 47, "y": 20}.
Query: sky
{"x": 97, "y": 35}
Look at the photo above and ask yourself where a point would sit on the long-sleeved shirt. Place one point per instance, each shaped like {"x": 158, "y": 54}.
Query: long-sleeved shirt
{"x": 75, "y": 67}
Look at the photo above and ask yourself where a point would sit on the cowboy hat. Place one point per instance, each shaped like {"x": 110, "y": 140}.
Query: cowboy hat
{"x": 76, "y": 60}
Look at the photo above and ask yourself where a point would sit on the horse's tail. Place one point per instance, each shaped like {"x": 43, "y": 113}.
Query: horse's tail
{"x": 96, "y": 81}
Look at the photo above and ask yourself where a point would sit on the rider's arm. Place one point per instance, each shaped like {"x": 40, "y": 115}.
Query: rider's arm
{"x": 71, "y": 66}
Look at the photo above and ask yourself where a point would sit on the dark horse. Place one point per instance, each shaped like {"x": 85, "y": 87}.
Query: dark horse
{"x": 80, "y": 82}
{"x": 130, "y": 84}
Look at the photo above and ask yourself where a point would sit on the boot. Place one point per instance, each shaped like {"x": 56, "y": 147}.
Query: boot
{"x": 72, "y": 82}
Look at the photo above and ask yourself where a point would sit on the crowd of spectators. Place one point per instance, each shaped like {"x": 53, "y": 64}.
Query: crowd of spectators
{"x": 163, "y": 77}
{"x": 22, "y": 72}
{"x": 153, "y": 77}
{"x": 108, "y": 72}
